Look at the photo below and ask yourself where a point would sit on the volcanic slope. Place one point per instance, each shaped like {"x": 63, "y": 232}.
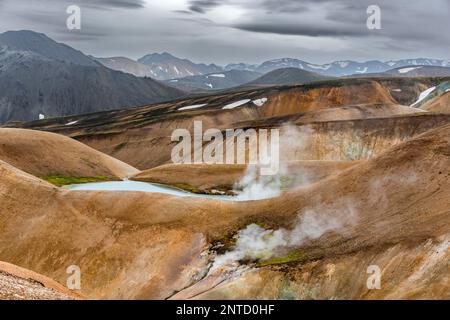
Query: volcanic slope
{"x": 137, "y": 245}
{"x": 351, "y": 109}
{"x": 439, "y": 104}
{"x": 48, "y": 154}
{"x": 406, "y": 234}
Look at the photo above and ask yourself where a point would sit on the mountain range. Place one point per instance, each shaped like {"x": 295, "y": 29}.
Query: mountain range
{"x": 339, "y": 68}
{"x": 165, "y": 66}
{"x": 412, "y": 72}
{"x": 42, "y": 78}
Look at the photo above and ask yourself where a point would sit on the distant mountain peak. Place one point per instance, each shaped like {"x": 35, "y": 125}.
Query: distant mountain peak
{"x": 39, "y": 43}
{"x": 287, "y": 76}
{"x": 166, "y": 66}
{"x": 40, "y": 76}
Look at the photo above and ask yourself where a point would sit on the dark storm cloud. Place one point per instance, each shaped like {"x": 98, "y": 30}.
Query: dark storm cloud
{"x": 201, "y": 6}
{"x": 308, "y": 18}
{"x": 406, "y": 20}
{"x": 184, "y": 12}
{"x": 299, "y": 30}
{"x": 114, "y": 3}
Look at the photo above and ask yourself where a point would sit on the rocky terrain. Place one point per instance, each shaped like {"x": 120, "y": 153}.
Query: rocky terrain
{"x": 20, "y": 284}
{"x": 364, "y": 183}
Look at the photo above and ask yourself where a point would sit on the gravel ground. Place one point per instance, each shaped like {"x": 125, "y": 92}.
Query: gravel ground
{"x": 15, "y": 288}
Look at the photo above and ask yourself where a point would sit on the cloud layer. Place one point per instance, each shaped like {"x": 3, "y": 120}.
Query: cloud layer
{"x": 251, "y": 31}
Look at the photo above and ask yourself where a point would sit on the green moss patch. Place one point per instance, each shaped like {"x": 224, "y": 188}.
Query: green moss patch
{"x": 64, "y": 180}
{"x": 292, "y": 256}
{"x": 187, "y": 187}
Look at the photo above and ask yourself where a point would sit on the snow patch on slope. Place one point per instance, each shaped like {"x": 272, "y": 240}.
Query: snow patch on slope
{"x": 218, "y": 75}
{"x": 260, "y": 102}
{"x": 406, "y": 70}
{"x": 423, "y": 96}
{"x": 236, "y": 104}
{"x": 324, "y": 67}
{"x": 363, "y": 70}
{"x": 195, "y": 106}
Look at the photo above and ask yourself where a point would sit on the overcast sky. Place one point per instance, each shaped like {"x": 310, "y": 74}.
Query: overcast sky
{"x": 224, "y": 31}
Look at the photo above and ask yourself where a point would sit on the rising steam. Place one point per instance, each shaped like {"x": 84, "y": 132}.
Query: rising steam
{"x": 254, "y": 186}
{"x": 256, "y": 243}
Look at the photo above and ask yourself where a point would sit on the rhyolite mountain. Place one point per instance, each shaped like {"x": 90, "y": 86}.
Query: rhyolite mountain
{"x": 165, "y": 66}
{"x": 39, "y": 76}
{"x": 215, "y": 81}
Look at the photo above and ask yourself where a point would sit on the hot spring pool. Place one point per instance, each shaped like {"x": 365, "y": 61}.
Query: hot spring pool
{"x": 128, "y": 185}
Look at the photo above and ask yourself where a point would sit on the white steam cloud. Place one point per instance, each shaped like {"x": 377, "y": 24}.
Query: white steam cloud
{"x": 254, "y": 186}
{"x": 256, "y": 243}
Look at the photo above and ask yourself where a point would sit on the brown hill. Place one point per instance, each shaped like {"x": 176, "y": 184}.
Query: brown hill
{"x": 354, "y": 112}
{"x": 325, "y": 96}
{"x": 438, "y": 104}
{"x": 49, "y": 154}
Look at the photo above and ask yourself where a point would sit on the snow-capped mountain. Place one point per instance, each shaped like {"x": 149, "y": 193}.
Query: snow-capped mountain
{"x": 241, "y": 66}
{"x": 413, "y": 72}
{"x": 418, "y": 62}
{"x": 339, "y": 68}
{"x": 126, "y": 65}
{"x": 165, "y": 66}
